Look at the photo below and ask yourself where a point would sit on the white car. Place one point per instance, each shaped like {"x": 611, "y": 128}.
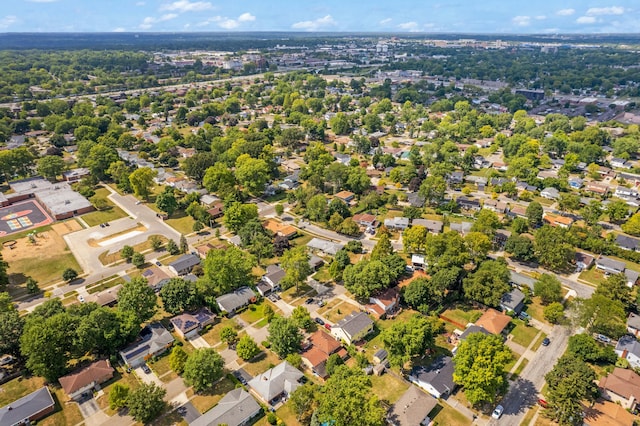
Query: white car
{"x": 81, "y": 299}
{"x": 497, "y": 412}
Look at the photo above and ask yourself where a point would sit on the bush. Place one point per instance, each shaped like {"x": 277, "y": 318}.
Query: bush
{"x": 553, "y": 312}
{"x": 272, "y": 419}
{"x": 266, "y": 344}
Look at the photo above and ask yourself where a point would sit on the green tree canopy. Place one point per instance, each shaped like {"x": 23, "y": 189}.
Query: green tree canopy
{"x": 284, "y": 336}
{"x": 146, "y": 402}
{"x": 488, "y": 283}
{"x": 548, "y": 288}
{"x": 137, "y": 298}
{"x": 203, "y": 368}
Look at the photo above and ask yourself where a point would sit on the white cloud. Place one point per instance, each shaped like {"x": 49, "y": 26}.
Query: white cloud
{"x": 613, "y": 10}
{"x": 118, "y": 30}
{"x": 183, "y": 6}
{"x": 522, "y": 21}
{"x": 541, "y": 17}
{"x": 586, "y": 20}
{"x": 246, "y": 17}
{"x": 317, "y": 24}
{"x": 385, "y": 21}
{"x": 150, "y": 20}
{"x": 566, "y": 12}
{"x": 408, "y": 26}
{"x": 228, "y": 24}
{"x": 7, "y": 21}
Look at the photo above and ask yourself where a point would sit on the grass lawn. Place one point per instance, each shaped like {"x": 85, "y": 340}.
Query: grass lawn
{"x": 181, "y": 222}
{"x": 108, "y": 258}
{"x": 340, "y": 311}
{"x": 529, "y": 416}
{"x": 322, "y": 275}
{"x": 462, "y": 315}
{"x": 261, "y": 363}
{"x": 105, "y": 284}
{"x": 65, "y": 414}
{"x": 290, "y": 294}
{"x": 509, "y": 366}
{"x": 592, "y": 276}
{"x": 19, "y": 387}
{"x": 521, "y": 367}
{"x": 253, "y": 313}
{"x": 302, "y": 240}
{"x": 122, "y": 377}
{"x": 536, "y": 309}
{"x": 45, "y": 270}
{"x": 329, "y": 306}
{"x": 538, "y": 342}
{"x": 207, "y": 400}
{"x": 213, "y": 335}
{"x": 523, "y": 334}
{"x": 100, "y": 216}
{"x": 388, "y": 388}
{"x": 443, "y": 414}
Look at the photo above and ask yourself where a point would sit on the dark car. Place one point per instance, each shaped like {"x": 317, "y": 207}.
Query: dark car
{"x": 309, "y": 301}
{"x": 318, "y": 321}
{"x": 546, "y": 341}
{"x": 146, "y": 368}
{"x": 158, "y": 263}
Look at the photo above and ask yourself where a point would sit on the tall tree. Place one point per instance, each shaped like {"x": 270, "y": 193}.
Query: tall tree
{"x": 252, "y": 174}
{"x": 138, "y": 298}
{"x": 433, "y": 189}
{"x": 237, "y": 215}
{"x": 247, "y": 348}
{"x": 226, "y": 270}
{"x": 203, "y": 368}
{"x": 142, "y": 180}
{"x": 51, "y": 166}
{"x": 409, "y": 339}
{"x": 548, "y": 288}
{"x": 219, "y": 179}
{"x": 552, "y": 249}
{"x": 146, "y": 402}
{"x": 284, "y": 336}
{"x": 178, "y": 296}
{"x": 488, "y": 283}
{"x": 4, "y": 277}
{"x": 166, "y": 201}
{"x": 295, "y": 263}
{"x": 11, "y": 325}
{"x": 534, "y": 214}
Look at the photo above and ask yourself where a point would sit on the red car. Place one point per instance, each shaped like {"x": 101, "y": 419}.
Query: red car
{"x": 327, "y": 326}
{"x": 542, "y": 403}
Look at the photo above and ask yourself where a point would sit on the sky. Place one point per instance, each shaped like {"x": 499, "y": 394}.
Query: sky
{"x": 426, "y": 16}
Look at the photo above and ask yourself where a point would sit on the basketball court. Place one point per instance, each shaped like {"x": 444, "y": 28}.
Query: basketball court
{"x": 22, "y": 216}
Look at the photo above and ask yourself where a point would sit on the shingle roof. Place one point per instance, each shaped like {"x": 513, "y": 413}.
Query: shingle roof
{"x": 493, "y": 321}
{"x": 629, "y": 344}
{"x": 633, "y": 321}
{"x": 609, "y": 263}
{"x": 185, "y": 262}
{"x": 412, "y": 408}
{"x": 622, "y": 382}
{"x": 512, "y": 299}
{"x": 234, "y": 409}
{"x": 25, "y": 407}
{"x": 231, "y": 301}
{"x": 354, "y": 323}
{"x": 273, "y": 382}
{"x": 439, "y": 374}
{"x": 154, "y": 338}
{"x": 97, "y": 372}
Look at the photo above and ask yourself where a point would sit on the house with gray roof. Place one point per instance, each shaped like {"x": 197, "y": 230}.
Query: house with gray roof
{"x": 612, "y": 266}
{"x": 237, "y": 408}
{"x": 236, "y": 300}
{"x": 628, "y": 243}
{"x": 437, "y": 378}
{"x": 550, "y": 193}
{"x": 153, "y": 340}
{"x": 461, "y": 227}
{"x": 433, "y": 226}
{"x": 271, "y": 280}
{"x": 512, "y": 301}
{"x": 27, "y": 409}
{"x": 184, "y": 264}
{"x": 275, "y": 383}
{"x": 633, "y": 324}
{"x": 353, "y": 327}
{"x": 412, "y": 409}
{"x": 628, "y": 348}
{"x": 415, "y": 200}
{"x": 472, "y": 329}
{"x": 324, "y": 246}
{"x": 400, "y": 223}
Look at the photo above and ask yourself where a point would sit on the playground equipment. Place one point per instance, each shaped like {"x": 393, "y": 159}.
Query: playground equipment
{"x": 11, "y": 244}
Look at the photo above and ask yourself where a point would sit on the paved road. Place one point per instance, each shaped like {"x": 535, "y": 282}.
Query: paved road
{"x": 523, "y": 392}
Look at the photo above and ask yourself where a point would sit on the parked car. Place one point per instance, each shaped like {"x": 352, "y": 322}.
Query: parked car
{"x": 497, "y": 412}
{"x": 327, "y": 326}
{"x": 81, "y": 298}
{"x": 546, "y": 341}
{"x": 158, "y": 263}
{"x": 146, "y": 368}
{"x": 6, "y": 360}
{"x": 309, "y": 301}
{"x": 542, "y": 403}
{"x": 318, "y": 321}
{"x": 524, "y": 316}
{"x": 321, "y": 303}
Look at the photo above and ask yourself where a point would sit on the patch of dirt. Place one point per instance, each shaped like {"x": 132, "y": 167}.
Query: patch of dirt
{"x": 64, "y": 228}
{"x": 47, "y": 244}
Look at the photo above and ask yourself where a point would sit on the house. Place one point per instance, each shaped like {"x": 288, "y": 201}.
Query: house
{"x": 583, "y": 260}
{"x": 521, "y": 280}
{"x": 493, "y": 321}
{"x": 354, "y": 327}
{"x": 622, "y": 387}
{"x": 324, "y": 246}
{"x": 418, "y": 261}
{"x": 399, "y": 223}
{"x": 29, "y": 408}
{"x": 633, "y": 324}
{"x": 518, "y": 211}
{"x": 620, "y": 163}
{"x": 342, "y": 158}
{"x": 216, "y": 209}
{"x": 291, "y": 181}
{"x": 415, "y": 200}
{"x": 472, "y": 329}
{"x": 236, "y": 408}
{"x": 187, "y": 325}
{"x": 208, "y": 200}
{"x": 315, "y": 262}
{"x": 346, "y": 196}
{"x": 437, "y": 378}
{"x": 597, "y": 188}
{"x": 500, "y": 238}
{"x": 610, "y": 266}
{"x": 366, "y": 220}
{"x": 322, "y": 346}
{"x": 271, "y": 280}
{"x": 238, "y": 299}
{"x": 461, "y": 227}
{"x": 153, "y": 340}
{"x": 495, "y": 206}
{"x": 628, "y": 243}
{"x": 380, "y": 356}
{"x": 108, "y": 297}
{"x": 384, "y": 303}
{"x": 156, "y": 277}
{"x": 556, "y": 220}
{"x": 75, "y": 175}
{"x": 513, "y": 301}
{"x": 629, "y": 348}
{"x": 455, "y": 178}
{"x": 184, "y": 264}
{"x": 550, "y": 193}
{"x": 412, "y": 409}
{"x": 605, "y": 413}
{"x": 84, "y": 381}
{"x": 433, "y": 226}
{"x": 466, "y": 203}
{"x": 280, "y": 229}
{"x": 275, "y": 383}
{"x": 575, "y": 182}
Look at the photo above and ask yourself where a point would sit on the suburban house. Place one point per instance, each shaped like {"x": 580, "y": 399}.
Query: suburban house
{"x": 236, "y": 300}
{"x": 518, "y": 211}
{"x": 466, "y": 203}
{"x": 184, "y": 264}
{"x": 187, "y": 325}
{"x": 493, "y": 321}
{"x": 495, "y": 206}
{"x": 322, "y": 346}
{"x": 384, "y": 303}
{"x": 153, "y": 340}
{"x": 280, "y": 229}
{"x": 216, "y": 209}
{"x": 629, "y": 348}
{"x": 597, "y": 188}
{"x": 605, "y": 413}
{"x": 346, "y": 196}
{"x": 557, "y": 220}
{"x": 418, "y": 261}
{"x": 550, "y": 193}
{"x": 612, "y": 266}
{"x": 621, "y": 386}
{"x": 108, "y": 297}
{"x": 84, "y": 381}
{"x": 461, "y": 227}
{"x": 315, "y": 262}
{"x": 275, "y": 383}
{"x": 236, "y": 408}
{"x": 365, "y": 219}
{"x": 513, "y": 301}
{"x": 75, "y": 175}
{"x": 412, "y": 409}
{"x": 271, "y": 280}
{"x": 437, "y": 378}
{"x": 575, "y": 182}
{"x": 156, "y": 277}
{"x": 633, "y": 324}
{"x": 583, "y": 260}
{"x": 208, "y": 200}
{"x": 353, "y": 327}
{"x": 399, "y": 223}
{"x": 324, "y": 246}
{"x": 433, "y": 226}
{"x": 415, "y": 200}
{"x": 27, "y": 409}
{"x": 628, "y": 243}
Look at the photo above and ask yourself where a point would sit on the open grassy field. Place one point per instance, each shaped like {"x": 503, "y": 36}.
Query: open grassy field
{"x": 112, "y": 212}
{"x": 181, "y": 222}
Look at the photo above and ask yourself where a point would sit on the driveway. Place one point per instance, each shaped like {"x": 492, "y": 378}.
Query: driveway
{"x": 148, "y": 378}
{"x": 91, "y": 412}
{"x": 189, "y": 412}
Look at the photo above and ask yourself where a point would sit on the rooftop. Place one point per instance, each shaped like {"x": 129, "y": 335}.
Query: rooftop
{"x": 493, "y": 321}
{"x": 96, "y": 372}
{"x": 412, "y": 408}
{"x": 25, "y": 407}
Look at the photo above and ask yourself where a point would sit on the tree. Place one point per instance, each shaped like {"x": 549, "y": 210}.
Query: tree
{"x": 156, "y": 242}
{"x": 347, "y": 400}
{"x": 284, "y": 336}
{"x": 617, "y": 210}
{"x": 252, "y": 174}
{"x": 137, "y": 298}
{"x": 414, "y": 239}
{"x": 32, "y": 286}
{"x": 588, "y": 349}
{"x": 366, "y": 277}
{"x": 520, "y": 247}
{"x": 118, "y": 396}
{"x": 552, "y": 249}
{"x": 488, "y": 283}
{"x": 138, "y": 260}
{"x": 51, "y": 166}
{"x": 184, "y": 246}
{"x": 295, "y": 263}
{"x": 146, "y": 402}
{"x": 99, "y": 159}
{"x": 267, "y": 312}
{"x": 247, "y": 348}
{"x": 172, "y": 248}
{"x": 69, "y": 274}
{"x": 340, "y": 261}
{"x": 178, "y": 296}
{"x": 11, "y": 326}
{"x": 615, "y": 288}
{"x": 480, "y": 367}
{"x": 237, "y": 215}
{"x": 553, "y": 312}
{"x": 4, "y": 277}
{"x": 534, "y": 214}
{"x": 570, "y": 382}
{"x": 383, "y": 247}
{"x": 632, "y": 225}
{"x": 433, "y": 189}
{"x": 142, "y": 180}
{"x": 203, "y": 369}
{"x": 592, "y": 212}
{"x": 226, "y": 270}
{"x": 126, "y": 252}
{"x": 317, "y": 209}
{"x": 548, "y": 288}
{"x": 409, "y": 339}
{"x": 599, "y": 314}
{"x": 569, "y": 202}
{"x": 177, "y": 359}
{"x": 229, "y": 335}
{"x": 486, "y": 222}
{"x": 479, "y": 245}
{"x": 304, "y": 402}
{"x": 166, "y": 201}
{"x": 219, "y": 179}
{"x": 333, "y": 362}
{"x": 302, "y": 318}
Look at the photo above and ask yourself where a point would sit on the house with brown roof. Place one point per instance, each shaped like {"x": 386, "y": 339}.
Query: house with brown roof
{"x": 322, "y": 346}
{"x": 597, "y": 188}
{"x": 281, "y": 229}
{"x": 412, "y": 408}
{"x": 605, "y": 413}
{"x": 384, "y": 303}
{"x": 365, "y": 219}
{"x": 108, "y": 297}
{"x": 622, "y": 387}
{"x": 556, "y": 220}
{"x": 216, "y": 209}
{"x": 84, "y": 381}
{"x": 493, "y": 321}
{"x": 347, "y": 196}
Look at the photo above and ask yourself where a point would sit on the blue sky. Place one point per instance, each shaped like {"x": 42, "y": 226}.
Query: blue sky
{"x": 472, "y": 16}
